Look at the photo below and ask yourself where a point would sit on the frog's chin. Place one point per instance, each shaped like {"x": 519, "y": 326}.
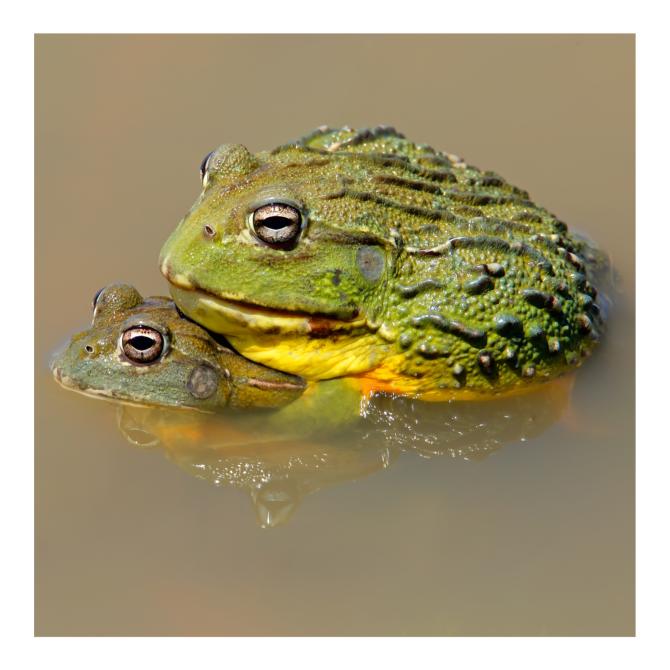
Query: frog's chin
{"x": 233, "y": 318}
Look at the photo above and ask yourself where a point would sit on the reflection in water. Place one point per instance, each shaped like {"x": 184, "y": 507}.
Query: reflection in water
{"x": 280, "y": 469}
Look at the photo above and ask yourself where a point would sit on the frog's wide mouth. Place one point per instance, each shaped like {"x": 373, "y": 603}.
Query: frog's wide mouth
{"x": 72, "y": 384}
{"x": 230, "y": 316}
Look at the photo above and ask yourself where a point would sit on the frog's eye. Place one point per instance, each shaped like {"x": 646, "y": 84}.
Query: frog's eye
{"x": 203, "y": 168}
{"x": 142, "y": 344}
{"x": 277, "y": 224}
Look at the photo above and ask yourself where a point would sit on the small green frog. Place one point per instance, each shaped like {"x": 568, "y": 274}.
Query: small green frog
{"x": 144, "y": 352}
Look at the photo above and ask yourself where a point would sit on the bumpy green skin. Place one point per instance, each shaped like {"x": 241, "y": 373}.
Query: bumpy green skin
{"x": 457, "y": 273}
{"x": 94, "y": 364}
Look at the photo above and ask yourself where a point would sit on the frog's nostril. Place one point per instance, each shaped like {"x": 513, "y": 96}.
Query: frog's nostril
{"x": 89, "y": 349}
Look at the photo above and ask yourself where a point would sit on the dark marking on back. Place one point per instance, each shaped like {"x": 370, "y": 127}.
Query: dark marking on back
{"x": 584, "y": 324}
{"x": 471, "y": 335}
{"x": 469, "y": 213}
{"x": 478, "y": 285}
{"x": 407, "y": 183}
{"x": 511, "y": 355}
{"x": 412, "y": 290}
{"x": 367, "y": 196}
{"x": 508, "y": 325}
{"x": 535, "y": 332}
{"x": 534, "y": 255}
{"x": 368, "y": 134}
{"x": 542, "y": 300}
{"x": 489, "y": 224}
{"x": 430, "y": 351}
{"x": 474, "y": 198}
{"x": 554, "y": 345}
{"x": 530, "y": 217}
{"x": 486, "y": 363}
{"x": 458, "y": 370}
{"x": 491, "y": 269}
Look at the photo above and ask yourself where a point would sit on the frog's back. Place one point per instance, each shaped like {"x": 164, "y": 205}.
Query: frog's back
{"x": 490, "y": 291}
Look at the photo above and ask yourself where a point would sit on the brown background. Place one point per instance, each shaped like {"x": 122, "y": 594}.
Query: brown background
{"x": 532, "y": 541}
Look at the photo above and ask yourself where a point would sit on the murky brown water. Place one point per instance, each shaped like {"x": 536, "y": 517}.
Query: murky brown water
{"x": 509, "y": 519}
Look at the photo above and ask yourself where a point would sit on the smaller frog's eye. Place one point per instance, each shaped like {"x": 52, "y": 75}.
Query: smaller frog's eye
{"x": 277, "y": 225}
{"x": 203, "y": 168}
{"x": 142, "y": 344}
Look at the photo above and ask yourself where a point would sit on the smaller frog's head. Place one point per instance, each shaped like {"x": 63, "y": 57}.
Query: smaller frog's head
{"x": 144, "y": 352}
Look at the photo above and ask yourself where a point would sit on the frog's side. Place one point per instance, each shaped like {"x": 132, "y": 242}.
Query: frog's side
{"x": 142, "y": 351}
{"x": 358, "y": 253}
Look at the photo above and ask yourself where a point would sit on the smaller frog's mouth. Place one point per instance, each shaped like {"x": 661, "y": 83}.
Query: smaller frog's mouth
{"x": 232, "y": 317}
{"x": 71, "y": 384}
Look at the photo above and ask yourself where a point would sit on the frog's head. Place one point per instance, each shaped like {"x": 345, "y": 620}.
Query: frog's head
{"x": 271, "y": 245}
{"x": 142, "y": 351}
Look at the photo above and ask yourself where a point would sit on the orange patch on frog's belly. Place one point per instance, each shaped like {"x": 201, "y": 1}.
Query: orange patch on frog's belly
{"x": 387, "y": 379}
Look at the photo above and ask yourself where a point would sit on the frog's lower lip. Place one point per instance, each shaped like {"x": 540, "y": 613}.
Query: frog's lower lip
{"x": 71, "y": 385}
{"x": 212, "y": 310}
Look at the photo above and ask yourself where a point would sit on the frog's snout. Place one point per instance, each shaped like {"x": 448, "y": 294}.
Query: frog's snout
{"x": 64, "y": 380}
{"x": 56, "y": 372}
{"x": 66, "y": 362}
{"x": 56, "y": 364}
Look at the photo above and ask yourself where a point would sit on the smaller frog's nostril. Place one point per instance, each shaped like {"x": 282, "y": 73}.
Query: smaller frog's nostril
{"x": 89, "y": 349}
{"x": 208, "y": 231}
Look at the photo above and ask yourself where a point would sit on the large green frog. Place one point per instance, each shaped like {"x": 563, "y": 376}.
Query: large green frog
{"x": 144, "y": 352}
{"x": 361, "y": 254}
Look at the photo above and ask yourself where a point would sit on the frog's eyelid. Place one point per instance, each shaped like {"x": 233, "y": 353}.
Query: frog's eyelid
{"x": 204, "y": 174}
{"x": 97, "y": 295}
{"x": 96, "y": 298}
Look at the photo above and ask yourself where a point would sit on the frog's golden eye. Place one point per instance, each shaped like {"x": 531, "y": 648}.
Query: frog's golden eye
{"x": 277, "y": 224}
{"x": 203, "y": 168}
{"x": 142, "y": 345}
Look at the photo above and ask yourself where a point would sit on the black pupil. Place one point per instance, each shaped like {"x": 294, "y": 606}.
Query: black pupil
{"x": 277, "y": 222}
{"x": 142, "y": 342}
